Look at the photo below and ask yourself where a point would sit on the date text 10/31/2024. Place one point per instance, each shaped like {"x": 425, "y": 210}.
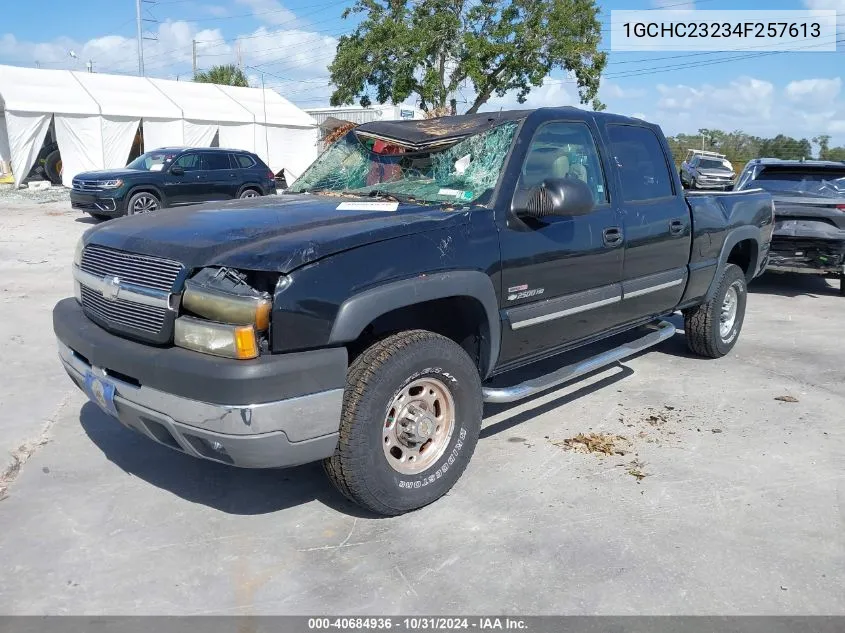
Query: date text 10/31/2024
{"x": 417, "y": 623}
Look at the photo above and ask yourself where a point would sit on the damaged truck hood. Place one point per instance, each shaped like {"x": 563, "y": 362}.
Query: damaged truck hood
{"x": 275, "y": 233}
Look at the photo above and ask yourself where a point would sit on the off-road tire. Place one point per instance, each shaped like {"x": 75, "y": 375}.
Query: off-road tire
{"x": 701, "y": 324}
{"x": 52, "y": 168}
{"x": 359, "y": 467}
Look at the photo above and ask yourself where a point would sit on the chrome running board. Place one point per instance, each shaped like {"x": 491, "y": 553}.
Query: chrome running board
{"x": 662, "y": 331}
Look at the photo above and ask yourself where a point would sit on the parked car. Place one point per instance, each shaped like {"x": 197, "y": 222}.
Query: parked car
{"x": 706, "y": 170}
{"x": 363, "y": 317}
{"x": 809, "y": 196}
{"x": 169, "y": 177}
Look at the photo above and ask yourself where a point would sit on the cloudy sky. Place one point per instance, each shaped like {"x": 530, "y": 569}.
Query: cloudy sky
{"x": 292, "y": 41}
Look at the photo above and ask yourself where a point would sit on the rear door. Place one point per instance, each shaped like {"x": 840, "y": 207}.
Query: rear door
{"x": 222, "y": 178}
{"x": 656, "y": 222}
{"x": 560, "y": 275}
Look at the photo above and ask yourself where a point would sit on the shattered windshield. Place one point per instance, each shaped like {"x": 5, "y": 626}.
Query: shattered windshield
{"x": 461, "y": 172}
{"x": 829, "y": 183}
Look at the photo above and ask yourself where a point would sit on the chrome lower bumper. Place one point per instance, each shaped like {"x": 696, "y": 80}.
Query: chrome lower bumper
{"x": 269, "y": 435}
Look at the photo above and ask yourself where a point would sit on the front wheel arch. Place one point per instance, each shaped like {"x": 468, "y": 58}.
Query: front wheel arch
{"x": 365, "y": 308}
{"x": 158, "y": 193}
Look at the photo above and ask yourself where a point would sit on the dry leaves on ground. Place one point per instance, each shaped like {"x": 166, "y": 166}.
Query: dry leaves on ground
{"x": 603, "y": 443}
{"x": 787, "y": 398}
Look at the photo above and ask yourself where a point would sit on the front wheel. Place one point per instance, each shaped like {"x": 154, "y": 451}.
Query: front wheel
{"x": 410, "y": 421}
{"x": 712, "y": 328}
{"x": 142, "y": 202}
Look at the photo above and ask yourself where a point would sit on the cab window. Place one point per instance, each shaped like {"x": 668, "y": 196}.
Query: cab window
{"x": 188, "y": 162}
{"x": 217, "y": 160}
{"x": 564, "y": 149}
{"x": 642, "y": 164}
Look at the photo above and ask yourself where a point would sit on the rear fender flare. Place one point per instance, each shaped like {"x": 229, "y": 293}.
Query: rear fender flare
{"x": 361, "y": 309}
{"x": 733, "y": 238}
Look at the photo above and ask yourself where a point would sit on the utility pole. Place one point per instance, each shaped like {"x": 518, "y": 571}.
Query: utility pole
{"x": 140, "y": 38}
{"x": 194, "y": 56}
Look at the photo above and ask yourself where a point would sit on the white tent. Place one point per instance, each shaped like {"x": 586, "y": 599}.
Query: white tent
{"x": 280, "y": 132}
{"x": 96, "y": 117}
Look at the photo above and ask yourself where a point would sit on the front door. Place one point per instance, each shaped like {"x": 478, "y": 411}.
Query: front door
{"x": 561, "y": 276}
{"x": 186, "y": 187}
{"x": 656, "y": 223}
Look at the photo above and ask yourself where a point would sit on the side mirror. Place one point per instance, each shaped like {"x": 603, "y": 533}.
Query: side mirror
{"x": 555, "y": 196}
{"x": 177, "y": 171}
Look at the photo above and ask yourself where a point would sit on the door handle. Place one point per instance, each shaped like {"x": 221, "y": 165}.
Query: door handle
{"x": 612, "y": 236}
{"x": 676, "y": 227}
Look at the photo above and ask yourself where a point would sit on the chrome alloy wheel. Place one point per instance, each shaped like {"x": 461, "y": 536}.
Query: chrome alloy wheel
{"x": 418, "y": 426}
{"x": 144, "y": 203}
{"x": 727, "y": 316}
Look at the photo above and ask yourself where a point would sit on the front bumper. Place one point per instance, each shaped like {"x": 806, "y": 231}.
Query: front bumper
{"x": 720, "y": 185}
{"x": 278, "y": 411}
{"x": 102, "y": 203}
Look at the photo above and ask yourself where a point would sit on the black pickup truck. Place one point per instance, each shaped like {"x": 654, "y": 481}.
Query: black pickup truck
{"x": 363, "y": 317}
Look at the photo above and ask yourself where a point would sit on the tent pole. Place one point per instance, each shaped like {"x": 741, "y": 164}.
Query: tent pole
{"x": 264, "y": 101}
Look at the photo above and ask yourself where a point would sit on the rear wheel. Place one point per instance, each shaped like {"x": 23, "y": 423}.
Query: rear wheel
{"x": 712, "y": 328}
{"x": 249, "y": 193}
{"x": 142, "y": 202}
{"x": 410, "y": 421}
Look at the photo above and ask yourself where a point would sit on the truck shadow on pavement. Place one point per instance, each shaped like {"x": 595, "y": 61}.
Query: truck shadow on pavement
{"x": 793, "y": 285}
{"x": 527, "y": 414}
{"x": 224, "y": 488}
{"x": 252, "y": 492}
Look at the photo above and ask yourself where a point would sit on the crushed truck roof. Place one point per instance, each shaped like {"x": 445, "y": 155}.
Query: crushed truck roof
{"x": 418, "y": 134}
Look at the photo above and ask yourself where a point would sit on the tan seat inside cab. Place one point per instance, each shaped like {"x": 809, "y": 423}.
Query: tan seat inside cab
{"x": 562, "y": 168}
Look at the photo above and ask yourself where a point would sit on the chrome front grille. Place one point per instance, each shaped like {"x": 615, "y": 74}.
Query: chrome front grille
{"x": 129, "y": 292}
{"x": 143, "y": 270}
{"x": 86, "y": 185}
{"x": 141, "y": 317}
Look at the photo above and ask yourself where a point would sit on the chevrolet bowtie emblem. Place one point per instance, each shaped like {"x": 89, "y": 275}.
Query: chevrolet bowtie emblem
{"x": 111, "y": 288}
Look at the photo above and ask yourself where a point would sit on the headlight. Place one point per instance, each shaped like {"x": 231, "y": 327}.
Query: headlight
{"x": 219, "y": 339}
{"x": 238, "y": 304}
{"x": 110, "y": 184}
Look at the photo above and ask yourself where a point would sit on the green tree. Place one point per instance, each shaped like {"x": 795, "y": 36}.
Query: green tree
{"x": 836, "y": 153}
{"x": 228, "y": 75}
{"x": 823, "y": 141}
{"x": 786, "y": 147}
{"x": 431, "y": 47}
